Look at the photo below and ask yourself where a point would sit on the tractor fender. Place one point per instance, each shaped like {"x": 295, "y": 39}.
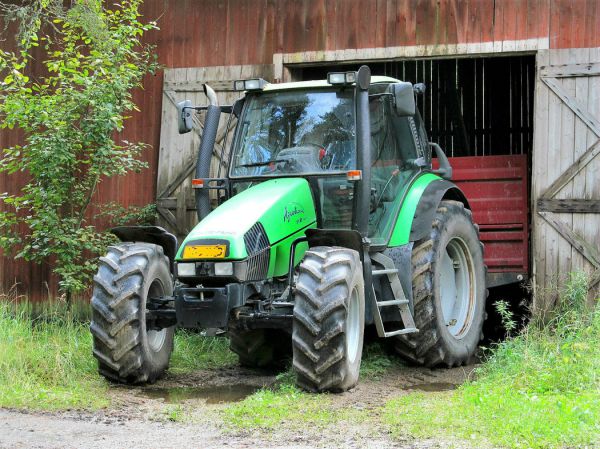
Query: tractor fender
{"x": 149, "y": 234}
{"x": 433, "y": 194}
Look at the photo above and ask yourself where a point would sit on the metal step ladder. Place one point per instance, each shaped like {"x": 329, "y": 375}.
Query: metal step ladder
{"x": 400, "y": 300}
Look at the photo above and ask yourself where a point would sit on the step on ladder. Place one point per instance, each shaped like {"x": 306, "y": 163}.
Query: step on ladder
{"x": 390, "y": 270}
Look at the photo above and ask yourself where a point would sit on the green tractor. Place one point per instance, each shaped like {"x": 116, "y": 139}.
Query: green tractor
{"x": 330, "y": 219}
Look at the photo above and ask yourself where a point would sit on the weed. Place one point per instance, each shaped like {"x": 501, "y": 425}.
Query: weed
{"x": 376, "y": 361}
{"x": 506, "y": 316}
{"x": 175, "y": 413}
{"x": 536, "y": 390}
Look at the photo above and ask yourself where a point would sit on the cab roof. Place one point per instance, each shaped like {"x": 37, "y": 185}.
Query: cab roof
{"x": 320, "y": 83}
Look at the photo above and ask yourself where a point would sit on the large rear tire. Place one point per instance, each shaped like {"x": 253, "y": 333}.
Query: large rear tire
{"x": 329, "y": 320}
{"x": 126, "y": 350}
{"x": 449, "y": 291}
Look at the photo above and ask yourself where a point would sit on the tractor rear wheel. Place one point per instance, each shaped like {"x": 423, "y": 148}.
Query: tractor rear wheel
{"x": 449, "y": 291}
{"x": 126, "y": 350}
{"x": 329, "y": 319}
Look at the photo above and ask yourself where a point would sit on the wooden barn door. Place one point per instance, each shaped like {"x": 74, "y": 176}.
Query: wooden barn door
{"x": 566, "y": 170}
{"x": 177, "y": 156}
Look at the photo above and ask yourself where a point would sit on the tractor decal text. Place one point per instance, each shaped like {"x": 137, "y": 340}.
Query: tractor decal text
{"x": 292, "y": 212}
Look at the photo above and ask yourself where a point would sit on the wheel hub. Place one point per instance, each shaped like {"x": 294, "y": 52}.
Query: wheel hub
{"x": 353, "y": 327}
{"x": 457, "y": 286}
{"x": 156, "y": 338}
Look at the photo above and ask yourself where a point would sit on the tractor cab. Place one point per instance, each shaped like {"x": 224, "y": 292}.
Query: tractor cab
{"x": 308, "y": 129}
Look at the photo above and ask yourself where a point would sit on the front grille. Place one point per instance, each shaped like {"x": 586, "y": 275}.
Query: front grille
{"x": 258, "y": 249}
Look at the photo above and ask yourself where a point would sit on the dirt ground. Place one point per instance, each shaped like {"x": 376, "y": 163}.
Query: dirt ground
{"x": 137, "y": 418}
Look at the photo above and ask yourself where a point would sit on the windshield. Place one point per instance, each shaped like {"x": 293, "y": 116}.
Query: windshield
{"x": 295, "y": 132}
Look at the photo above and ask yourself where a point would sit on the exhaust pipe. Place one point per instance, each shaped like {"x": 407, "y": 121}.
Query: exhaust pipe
{"x": 209, "y": 136}
{"x": 360, "y": 219}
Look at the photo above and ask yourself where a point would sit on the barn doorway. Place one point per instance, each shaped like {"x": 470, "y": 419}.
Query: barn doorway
{"x": 480, "y": 111}
{"x": 472, "y": 107}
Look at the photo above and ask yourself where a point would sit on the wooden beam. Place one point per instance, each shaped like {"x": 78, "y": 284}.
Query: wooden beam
{"x": 574, "y": 206}
{"x": 169, "y": 217}
{"x": 181, "y": 211}
{"x": 172, "y": 186}
{"x": 579, "y": 110}
{"x": 589, "y": 154}
{"x": 171, "y": 203}
{"x": 579, "y": 243}
{"x": 595, "y": 279}
{"x": 570, "y": 70}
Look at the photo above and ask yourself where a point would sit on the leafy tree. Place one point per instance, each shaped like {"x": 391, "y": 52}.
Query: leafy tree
{"x": 70, "y": 116}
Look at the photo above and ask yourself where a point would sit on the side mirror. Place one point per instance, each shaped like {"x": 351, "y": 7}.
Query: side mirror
{"x": 184, "y": 116}
{"x": 404, "y": 98}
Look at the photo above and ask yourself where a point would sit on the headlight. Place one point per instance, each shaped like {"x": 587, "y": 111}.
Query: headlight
{"x": 186, "y": 269}
{"x": 223, "y": 269}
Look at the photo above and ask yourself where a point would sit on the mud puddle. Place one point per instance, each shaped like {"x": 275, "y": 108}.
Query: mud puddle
{"x": 210, "y": 394}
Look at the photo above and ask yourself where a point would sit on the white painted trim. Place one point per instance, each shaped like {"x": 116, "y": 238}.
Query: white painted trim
{"x": 281, "y": 60}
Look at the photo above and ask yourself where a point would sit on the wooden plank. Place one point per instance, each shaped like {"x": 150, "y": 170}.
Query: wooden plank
{"x": 574, "y": 206}
{"x": 588, "y": 251}
{"x": 168, "y": 216}
{"x": 574, "y": 105}
{"x": 171, "y": 203}
{"x": 396, "y": 17}
{"x": 592, "y": 176}
{"x": 571, "y": 70}
{"x": 573, "y": 170}
{"x": 594, "y": 280}
{"x": 178, "y": 180}
{"x": 564, "y": 159}
{"x": 582, "y": 86}
{"x": 552, "y": 238}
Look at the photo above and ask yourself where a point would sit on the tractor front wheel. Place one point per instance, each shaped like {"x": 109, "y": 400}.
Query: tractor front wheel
{"x": 329, "y": 319}
{"x": 126, "y": 350}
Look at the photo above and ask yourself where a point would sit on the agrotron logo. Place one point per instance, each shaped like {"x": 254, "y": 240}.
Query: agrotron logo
{"x": 293, "y": 213}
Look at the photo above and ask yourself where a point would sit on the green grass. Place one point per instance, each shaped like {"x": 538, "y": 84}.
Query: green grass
{"x": 46, "y": 360}
{"x": 283, "y": 405}
{"x": 194, "y": 352}
{"x": 540, "y": 389}
{"x": 47, "y": 363}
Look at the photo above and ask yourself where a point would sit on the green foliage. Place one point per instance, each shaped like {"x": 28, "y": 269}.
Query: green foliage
{"x": 540, "y": 389}
{"x": 376, "y": 362}
{"x": 70, "y": 117}
{"x": 132, "y": 215}
{"x": 503, "y": 309}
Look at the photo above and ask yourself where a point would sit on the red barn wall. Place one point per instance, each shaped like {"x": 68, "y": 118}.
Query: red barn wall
{"x": 195, "y": 33}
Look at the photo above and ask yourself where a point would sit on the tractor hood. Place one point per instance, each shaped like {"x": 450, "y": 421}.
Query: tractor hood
{"x": 261, "y": 216}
